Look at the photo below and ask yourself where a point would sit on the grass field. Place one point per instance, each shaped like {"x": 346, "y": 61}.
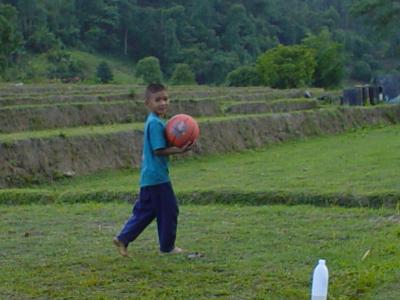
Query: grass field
{"x": 358, "y": 164}
{"x": 64, "y": 251}
{"x": 249, "y": 252}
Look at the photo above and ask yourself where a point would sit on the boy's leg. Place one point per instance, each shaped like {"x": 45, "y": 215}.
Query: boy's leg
{"x": 143, "y": 214}
{"x": 167, "y": 216}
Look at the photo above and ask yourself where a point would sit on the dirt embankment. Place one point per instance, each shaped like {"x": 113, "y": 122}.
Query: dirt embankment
{"x": 272, "y": 107}
{"x": 36, "y": 160}
{"x": 60, "y": 116}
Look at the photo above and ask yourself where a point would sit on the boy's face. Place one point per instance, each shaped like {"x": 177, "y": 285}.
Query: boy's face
{"x": 158, "y": 103}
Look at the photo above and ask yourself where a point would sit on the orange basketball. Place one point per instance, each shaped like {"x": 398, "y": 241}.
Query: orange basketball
{"x": 181, "y": 130}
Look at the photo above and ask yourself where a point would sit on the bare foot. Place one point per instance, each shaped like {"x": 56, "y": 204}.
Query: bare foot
{"x": 123, "y": 251}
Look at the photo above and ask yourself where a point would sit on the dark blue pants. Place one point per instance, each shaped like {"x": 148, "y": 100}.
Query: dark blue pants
{"x": 156, "y": 201}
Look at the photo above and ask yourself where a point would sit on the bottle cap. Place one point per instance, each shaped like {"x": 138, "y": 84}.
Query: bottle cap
{"x": 321, "y": 261}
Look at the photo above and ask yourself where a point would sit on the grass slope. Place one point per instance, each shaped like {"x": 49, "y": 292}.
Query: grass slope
{"x": 103, "y": 129}
{"x": 331, "y": 169}
{"x": 263, "y": 252}
{"x": 122, "y": 69}
{"x": 35, "y": 68}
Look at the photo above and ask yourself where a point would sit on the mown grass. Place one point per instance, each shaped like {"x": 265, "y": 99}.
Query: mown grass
{"x": 249, "y": 252}
{"x": 358, "y": 164}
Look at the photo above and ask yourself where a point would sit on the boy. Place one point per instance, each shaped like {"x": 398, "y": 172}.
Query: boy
{"x": 156, "y": 198}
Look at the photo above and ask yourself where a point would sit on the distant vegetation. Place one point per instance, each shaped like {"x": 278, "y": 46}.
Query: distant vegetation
{"x": 212, "y": 38}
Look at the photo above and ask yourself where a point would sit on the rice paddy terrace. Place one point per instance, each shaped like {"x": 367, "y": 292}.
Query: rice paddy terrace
{"x": 54, "y": 131}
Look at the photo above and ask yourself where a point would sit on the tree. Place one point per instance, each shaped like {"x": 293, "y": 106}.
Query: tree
{"x": 287, "y": 66}
{"x": 149, "y": 69}
{"x": 41, "y": 41}
{"x": 9, "y": 40}
{"x": 98, "y": 21}
{"x": 330, "y": 62}
{"x": 183, "y": 74}
{"x": 362, "y": 71}
{"x": 382, "y": 14}
{"x": 64, "y": 66}
{"x": 244, "y": 76}
{"x": 104, "y": 73}
{"x": 127, "y": 13}
{"x": 172, "y": 46}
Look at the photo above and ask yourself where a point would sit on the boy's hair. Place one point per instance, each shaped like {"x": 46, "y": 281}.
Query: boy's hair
{"x": 154, "y": 88}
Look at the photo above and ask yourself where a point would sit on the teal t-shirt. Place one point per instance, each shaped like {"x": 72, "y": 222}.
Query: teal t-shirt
{"x": 154, "y": 169}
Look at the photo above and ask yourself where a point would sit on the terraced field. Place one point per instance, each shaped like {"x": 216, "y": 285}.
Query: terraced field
{"x": 56, "y": 131}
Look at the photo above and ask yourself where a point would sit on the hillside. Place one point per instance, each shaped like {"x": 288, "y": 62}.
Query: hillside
{"x": 35, "y": 68}
{"x": 212, "y": 37}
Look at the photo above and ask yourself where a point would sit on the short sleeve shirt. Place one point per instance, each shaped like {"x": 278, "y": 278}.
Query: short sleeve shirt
{"x": 154, "y": 168}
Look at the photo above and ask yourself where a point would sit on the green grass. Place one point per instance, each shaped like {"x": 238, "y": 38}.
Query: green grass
{"x": 360, "y": 164}
{"x": 103, "y": 129}
{"x": 37, "y": 68}
{"x": 249, "y": 252}
{"x": 123, "y": 69}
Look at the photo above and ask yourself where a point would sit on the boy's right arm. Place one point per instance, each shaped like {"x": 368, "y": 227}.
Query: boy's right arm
{"x": 173, "y": 150}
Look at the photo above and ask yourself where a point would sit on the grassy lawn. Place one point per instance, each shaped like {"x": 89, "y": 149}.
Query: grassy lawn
{"x": 249, "y": 252}
{"x": 361, "y": 163}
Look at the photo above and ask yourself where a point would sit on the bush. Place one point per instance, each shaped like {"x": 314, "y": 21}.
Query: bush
{"x": 104, "y": 73}
{"x": 287, "y": 66}
{"x": 63, "y": 66}
{"x": 244, "y": 76}
{"x": 362, "y": 71}
{"x": 183, "y": 74}
{"x": 149, "y": 69}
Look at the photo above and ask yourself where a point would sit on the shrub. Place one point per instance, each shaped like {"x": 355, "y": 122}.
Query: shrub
{"x": 183, "y": 74}
{"x": 63, "y": 66}
{"x": 132, "y": 92}
{"x": 104, "y": 73}
{"x": 149, "y": 69}
{"x": 287, "y": 66}
{"x": 244, "y": 76}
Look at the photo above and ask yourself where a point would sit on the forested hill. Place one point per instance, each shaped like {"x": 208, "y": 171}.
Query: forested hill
{"x": 212, "y": 36}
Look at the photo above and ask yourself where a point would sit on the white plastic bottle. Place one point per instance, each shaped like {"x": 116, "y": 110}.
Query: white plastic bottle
{"x": 319, "y": 290}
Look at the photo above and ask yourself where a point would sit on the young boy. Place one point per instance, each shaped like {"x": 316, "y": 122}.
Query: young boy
{"x": 156, "y": 198}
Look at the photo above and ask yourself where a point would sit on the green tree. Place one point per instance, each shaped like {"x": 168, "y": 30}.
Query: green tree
{"x": 244, "y": 76}
{"x": 172, "y": 46}
{"x": 362, "y": 71}
{"x": 99, "y": 21}
{"x": 330, "y": 61}
{"x": 287, "y": 66}
{"x": 382, "y": 14}
{"x": 149, "y": 70}
{"x": 104, "y": 73}
{"x": 183, "y": 74}
{"x": 63, "y": 66}
{"x": 240, "y": 34}
{"x": 9, "y": 40}
{"x": 42, "y": 40}
{"x": 127, "y": 18}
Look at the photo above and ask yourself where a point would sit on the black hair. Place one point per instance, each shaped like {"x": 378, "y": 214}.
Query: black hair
{"x": 154, "y": 88}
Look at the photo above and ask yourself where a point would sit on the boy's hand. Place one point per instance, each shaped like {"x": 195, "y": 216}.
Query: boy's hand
{"x": 189, "y": 146}
{"x": 175, "y": 150}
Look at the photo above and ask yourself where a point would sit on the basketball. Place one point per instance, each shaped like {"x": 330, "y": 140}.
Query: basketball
{"x": 181, "y": 130}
